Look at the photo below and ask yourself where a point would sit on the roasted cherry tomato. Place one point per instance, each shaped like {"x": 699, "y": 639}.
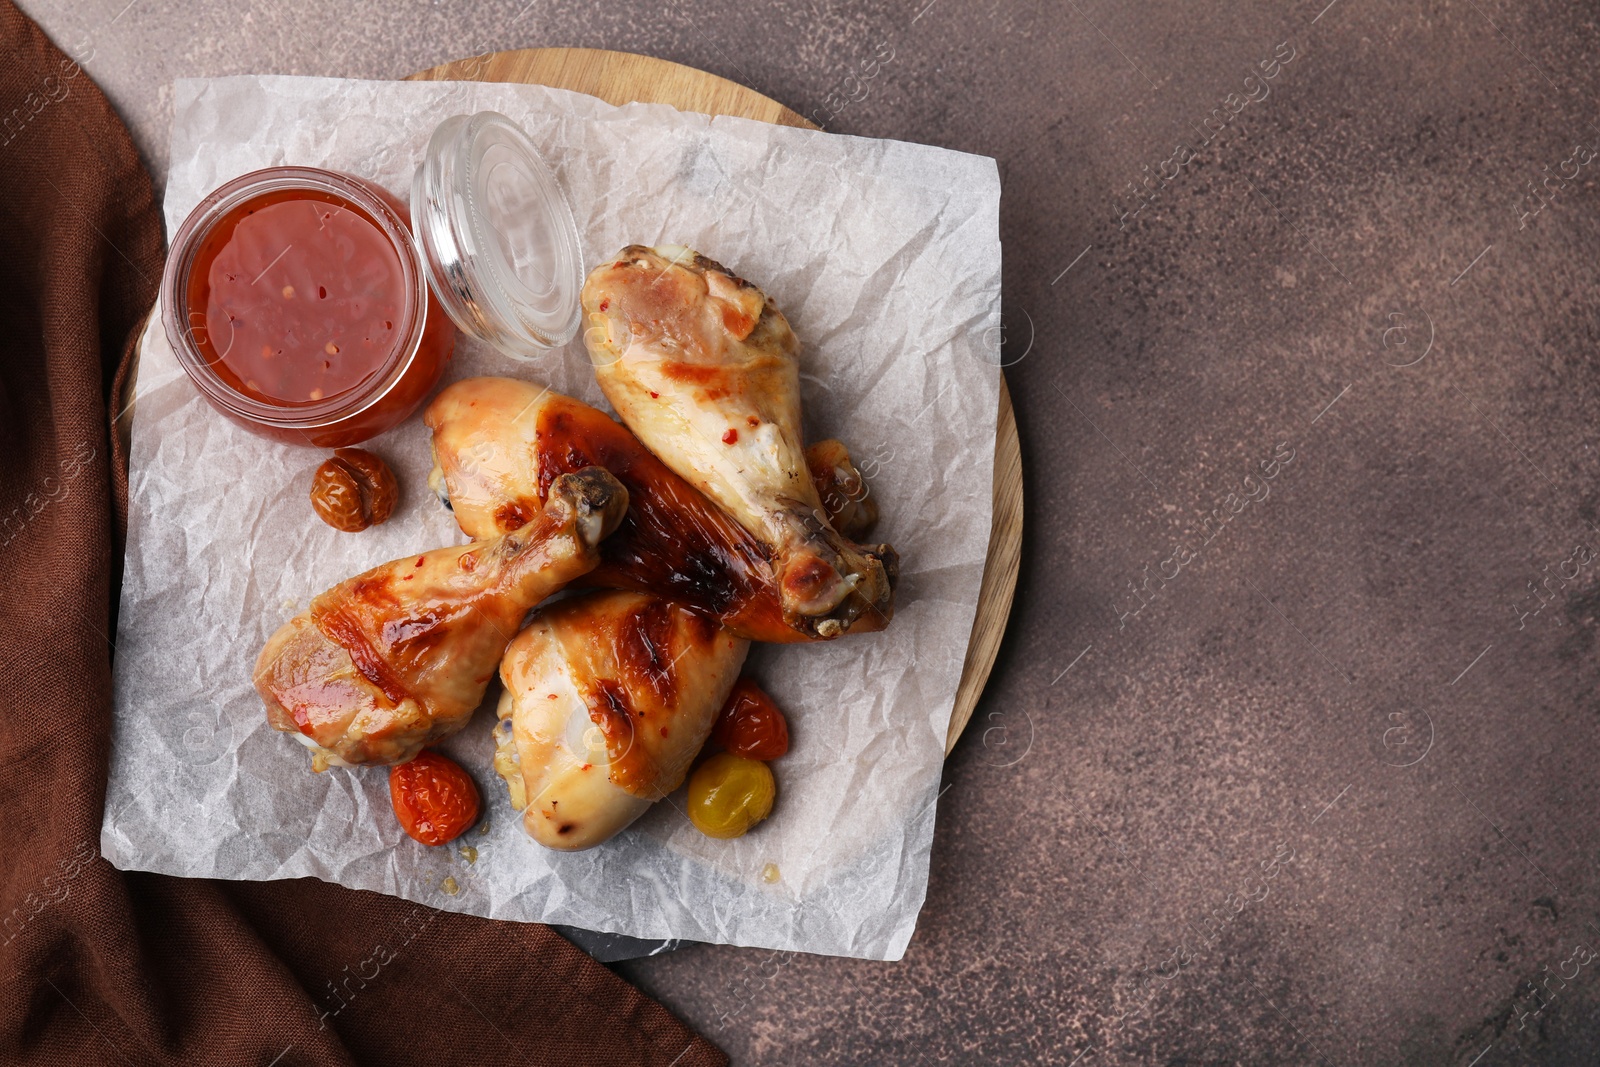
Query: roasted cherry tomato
{"x": 433, "y": 797}
{"x": 728, "y": 794}
{"x": 750, "y": 724}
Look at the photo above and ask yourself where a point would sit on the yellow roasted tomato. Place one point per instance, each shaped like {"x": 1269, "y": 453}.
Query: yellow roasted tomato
{"x": 728, "y": 794}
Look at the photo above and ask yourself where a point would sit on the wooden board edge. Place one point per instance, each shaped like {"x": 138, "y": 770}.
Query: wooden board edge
{"x": 619, "y": 78}
{"x": 1000, "y": 571}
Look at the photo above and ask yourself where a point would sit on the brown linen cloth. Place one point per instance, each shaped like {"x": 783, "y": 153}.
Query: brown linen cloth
{"x": 101, "y": 966}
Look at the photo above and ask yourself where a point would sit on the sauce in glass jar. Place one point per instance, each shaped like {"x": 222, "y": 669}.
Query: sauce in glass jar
{"x": 305, "y": 306}
{"x": 298, "y": 302}
{"x": 299, "y": 295}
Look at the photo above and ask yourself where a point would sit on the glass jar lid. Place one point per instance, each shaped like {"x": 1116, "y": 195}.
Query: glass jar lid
{"x": 498, "y": 236}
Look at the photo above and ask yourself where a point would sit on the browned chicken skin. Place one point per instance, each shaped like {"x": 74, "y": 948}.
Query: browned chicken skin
{"x": 497, "y": 442}
{"x": 700, "y": 365}
{"x": 396, "y": 658}
{"x": 608, "y": 698}
{"x": 845, "y": 497}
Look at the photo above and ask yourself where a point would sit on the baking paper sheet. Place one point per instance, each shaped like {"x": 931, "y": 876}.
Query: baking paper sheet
{"x": 885, "y": 256}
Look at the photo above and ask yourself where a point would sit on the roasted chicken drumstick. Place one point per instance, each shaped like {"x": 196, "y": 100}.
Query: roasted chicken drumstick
{"x": 705, "y": 371}
{"x": 393, "y": 659}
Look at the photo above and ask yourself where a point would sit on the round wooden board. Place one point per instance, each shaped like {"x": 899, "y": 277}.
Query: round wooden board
{"x": 622, "y": 78}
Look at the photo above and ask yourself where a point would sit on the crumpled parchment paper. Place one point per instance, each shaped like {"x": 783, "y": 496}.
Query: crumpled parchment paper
{"x": 885, "y": 256}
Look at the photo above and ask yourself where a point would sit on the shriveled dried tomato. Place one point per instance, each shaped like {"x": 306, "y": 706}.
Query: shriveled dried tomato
{"x": 750, "y": 724}
{"x": 434, "y": 799}
{"x": 354, "y": 490}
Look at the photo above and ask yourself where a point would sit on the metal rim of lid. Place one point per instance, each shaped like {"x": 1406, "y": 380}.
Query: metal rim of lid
{"x": 498, "y": 236}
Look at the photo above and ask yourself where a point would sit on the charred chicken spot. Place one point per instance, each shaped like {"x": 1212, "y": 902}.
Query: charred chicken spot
{"x": 616, "y": 699}
{"x": 702, "y": 628}
{"x": 807, "y": 577}
{"x": 565, "y": 828}
{"x": 644, "y": 648}
{"x": 706, "y": 263}
{"x": 672, "y": 541}
{"x": 693, "y": 373}
{"x": 571, "y": 436}
{"x": 651, "y": 626}
{"x": 514, "y": 515}
{"x": 372, "y": 588}
{"x": 701, "y": 578}
{"x": 417, "y": 634}
{"x": 610, "y": 709}
{"x": 347, "y": 632}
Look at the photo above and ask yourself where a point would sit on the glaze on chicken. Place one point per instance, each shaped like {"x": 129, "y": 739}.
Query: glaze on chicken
{"x": 396, "y": 658}
{"x": 608, "y": 698}
{"x": 705, "y": 371}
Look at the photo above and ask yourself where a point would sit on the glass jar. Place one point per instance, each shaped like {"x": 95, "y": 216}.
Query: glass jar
{"x": 304, "y": 307}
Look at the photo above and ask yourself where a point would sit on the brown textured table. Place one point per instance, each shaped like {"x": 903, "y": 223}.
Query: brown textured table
{"x": 1313, "y": 784}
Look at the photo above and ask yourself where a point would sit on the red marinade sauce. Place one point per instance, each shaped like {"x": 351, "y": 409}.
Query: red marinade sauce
{"x": 303, "y": 296}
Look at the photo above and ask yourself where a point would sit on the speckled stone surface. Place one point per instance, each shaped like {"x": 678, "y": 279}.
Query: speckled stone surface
{"x": 1272, "y": 770}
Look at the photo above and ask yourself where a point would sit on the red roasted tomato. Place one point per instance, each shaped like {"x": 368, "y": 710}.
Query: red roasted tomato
{"x": 750, "y": 724}
{"x": 433, "y": 797}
